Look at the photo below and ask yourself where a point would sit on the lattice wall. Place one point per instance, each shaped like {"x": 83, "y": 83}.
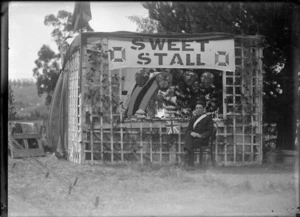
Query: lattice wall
{"x": 74, "y": 109}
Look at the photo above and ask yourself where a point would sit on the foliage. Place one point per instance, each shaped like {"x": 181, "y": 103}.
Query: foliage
{"x": 48, "y": 63}
{"x": 11, "y": 108}
{"x": 24, "y": 82}
{"x": 146, "y": 24}
{"x": 188, "y": 94}
{"x": 272, "y": 20}
{"x": 62, "y": 24}
{"x": 46, "y": 72}
{"x": 98, "y": 60}
{"x": 27, "y": 104}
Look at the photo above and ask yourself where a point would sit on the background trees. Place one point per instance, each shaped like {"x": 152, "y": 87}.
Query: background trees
{"x": 48, "y": 63}
{"x": 272, "y": 20}
{"x": 11, "y": 108}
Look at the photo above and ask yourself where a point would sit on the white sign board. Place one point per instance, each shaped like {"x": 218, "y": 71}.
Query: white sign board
{"x": 155, "y": 52}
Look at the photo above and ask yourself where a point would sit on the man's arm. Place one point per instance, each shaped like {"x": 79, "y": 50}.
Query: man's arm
{"x": 190, "y": 126}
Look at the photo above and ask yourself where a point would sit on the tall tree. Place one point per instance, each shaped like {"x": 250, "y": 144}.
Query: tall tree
{"x": 146, "y": 24}
{"x": 272, "y": 20}
{"x": 48, "y": 63}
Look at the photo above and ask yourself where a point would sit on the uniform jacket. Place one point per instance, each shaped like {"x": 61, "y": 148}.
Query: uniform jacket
{"x": 204, "y": 127}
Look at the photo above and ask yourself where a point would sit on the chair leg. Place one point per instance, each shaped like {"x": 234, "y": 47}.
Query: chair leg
{"x": 212, "y": 155}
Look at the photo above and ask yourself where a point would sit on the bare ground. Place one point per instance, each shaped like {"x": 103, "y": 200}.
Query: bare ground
{"x": 135, "y": 190}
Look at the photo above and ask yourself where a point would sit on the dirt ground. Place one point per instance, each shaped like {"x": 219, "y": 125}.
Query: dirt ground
{"x": 135, "y": 190}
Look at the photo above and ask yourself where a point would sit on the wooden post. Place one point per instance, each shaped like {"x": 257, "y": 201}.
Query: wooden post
{"x": 160, "y": 142}
{"x": 179, "y": 144}
{"x": 80, "y": 149}
{"x": 151, "y": 142}
{"x": 121, "y": 117}
{"x": 101, "y": 106}
{"x": 111, "y": 117}
{"x": 251, "y": 93}
{"x": 242, "y": 91}
{"x": 234, "y": 117}
{"x": 296, "y": 69}
{"x": 141, "y": 142}
{"x": 225, "y": 114}
{"x": 92, "y": 134}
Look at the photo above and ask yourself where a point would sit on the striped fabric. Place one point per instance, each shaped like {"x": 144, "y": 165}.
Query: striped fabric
{"x": 140, "y": 96}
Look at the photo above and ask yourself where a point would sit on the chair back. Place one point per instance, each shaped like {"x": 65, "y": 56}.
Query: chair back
{"x": 214, "y": 134}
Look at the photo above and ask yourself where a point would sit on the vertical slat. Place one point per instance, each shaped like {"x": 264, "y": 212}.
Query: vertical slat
{"x": 121, "y": 116}
{"x": 141, "y": 142}
{"x": 68, "y": 101}
{"x": 179, "y": 143}
{"x": 170, "y": 146}
{"x": 160, "y": 142}
{"x": 101, "y": 107}
{"x": 151, "y": 142}
{"x": 216, "y": 147}
{"x": 84, "y": 106}
{"x": 111, "y": 116}
{"x": 242, "y": 89}
{"x": 252, "y": 121}
{"x": 224, "y": 94}
{"x": 225, "y": 114}
{"x": 259, "y": 57}
{"x": 80, "y": 107}
{"x": 234, "y": 119}
{"x": 92, "y": 136}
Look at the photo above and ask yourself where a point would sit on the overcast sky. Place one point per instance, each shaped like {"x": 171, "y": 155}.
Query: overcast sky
{"x": 27, "y": 32}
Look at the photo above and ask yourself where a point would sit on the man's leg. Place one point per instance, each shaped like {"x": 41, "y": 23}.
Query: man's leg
{"x": 201, "y": 155}
{"x": 189, "y": 151}
{"x": 191, "y": 158}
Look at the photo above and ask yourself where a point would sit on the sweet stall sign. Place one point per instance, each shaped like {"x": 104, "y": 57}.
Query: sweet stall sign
{"x": 171, "y": 53}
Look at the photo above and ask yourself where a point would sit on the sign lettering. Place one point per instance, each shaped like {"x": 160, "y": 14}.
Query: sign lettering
{"x": 171, "y": 53}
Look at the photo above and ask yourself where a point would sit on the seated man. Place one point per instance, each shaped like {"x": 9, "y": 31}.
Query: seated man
{"x": 199, "y": 130}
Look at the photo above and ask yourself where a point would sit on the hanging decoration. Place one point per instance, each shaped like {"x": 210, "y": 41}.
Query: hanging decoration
{"x": 190, "y": 77}
{"x": 164, "y": 80}
{"x": 207, "y": 79}
{"x": 141, "y": 78}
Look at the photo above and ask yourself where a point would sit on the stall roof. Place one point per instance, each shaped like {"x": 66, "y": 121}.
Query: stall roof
{"x": 125, "y": 34}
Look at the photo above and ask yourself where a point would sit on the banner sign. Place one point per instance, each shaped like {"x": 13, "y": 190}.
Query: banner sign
{"x": 171, "y": 53}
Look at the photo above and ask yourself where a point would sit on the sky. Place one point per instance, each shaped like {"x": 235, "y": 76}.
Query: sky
{"x": 27, "y": 32}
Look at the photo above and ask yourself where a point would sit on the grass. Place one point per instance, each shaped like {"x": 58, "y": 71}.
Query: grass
{"x": 134, "y": 189}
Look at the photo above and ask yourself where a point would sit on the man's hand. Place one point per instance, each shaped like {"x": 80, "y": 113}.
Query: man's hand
{"x": 193, "y": 134}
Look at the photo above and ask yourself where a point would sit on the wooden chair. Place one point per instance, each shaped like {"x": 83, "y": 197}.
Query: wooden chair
{"x": 208, "y": 150}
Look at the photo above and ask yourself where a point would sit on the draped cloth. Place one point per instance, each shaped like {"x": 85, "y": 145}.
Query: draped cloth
{"x": 58, "y": 118}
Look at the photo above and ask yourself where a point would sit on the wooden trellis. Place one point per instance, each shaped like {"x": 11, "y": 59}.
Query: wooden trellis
{"x": 96, "y": 134}
{"x": 74, "y": 109}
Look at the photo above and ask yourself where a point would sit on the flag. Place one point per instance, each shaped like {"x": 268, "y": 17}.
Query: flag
{"x": 81, "y": 15}
{"x": 172, "y": 127}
